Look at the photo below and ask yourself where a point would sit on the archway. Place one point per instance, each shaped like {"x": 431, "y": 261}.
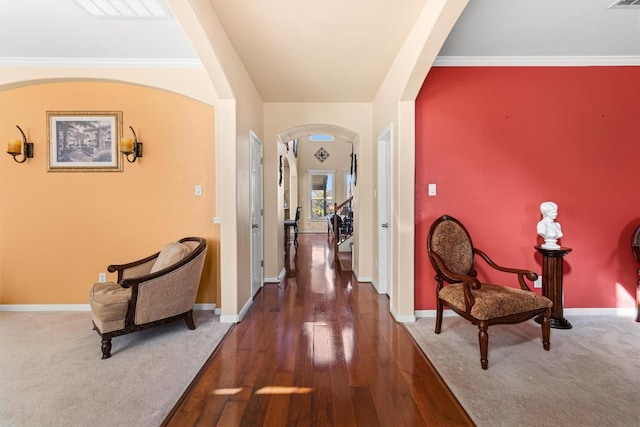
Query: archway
{"x": 322, "y": 154}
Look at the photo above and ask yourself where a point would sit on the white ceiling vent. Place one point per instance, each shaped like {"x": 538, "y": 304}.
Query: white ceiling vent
{"x": 620, "y": 4}
{"x": 125, "y": 9}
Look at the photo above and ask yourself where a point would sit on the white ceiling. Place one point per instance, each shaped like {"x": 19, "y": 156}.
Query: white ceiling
{"x": 319, "y": 51}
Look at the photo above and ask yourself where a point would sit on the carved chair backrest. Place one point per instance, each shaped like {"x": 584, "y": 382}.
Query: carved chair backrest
{"x": 635, "y": 244}
{"x": 450, "y": 240}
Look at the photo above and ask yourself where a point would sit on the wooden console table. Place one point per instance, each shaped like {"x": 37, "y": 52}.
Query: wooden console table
{"x": 552, "y": 265}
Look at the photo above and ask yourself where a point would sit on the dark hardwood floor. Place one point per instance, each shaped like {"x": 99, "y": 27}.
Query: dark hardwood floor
{"x": 320, "y": 349}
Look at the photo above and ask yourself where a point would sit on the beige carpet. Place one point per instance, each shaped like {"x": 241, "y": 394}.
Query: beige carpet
{"x": 590, "y": 377}
{"x": 52, "y": 374}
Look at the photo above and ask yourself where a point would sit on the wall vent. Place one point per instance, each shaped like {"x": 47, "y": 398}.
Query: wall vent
{"x": 620, "y": 4}
{"x": 125, "y": 9}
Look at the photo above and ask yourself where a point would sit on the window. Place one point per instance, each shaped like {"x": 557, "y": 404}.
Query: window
{"x": 320, "y": 193}
{"x": 321, "y": 138}
{"x": 348, "y": 185}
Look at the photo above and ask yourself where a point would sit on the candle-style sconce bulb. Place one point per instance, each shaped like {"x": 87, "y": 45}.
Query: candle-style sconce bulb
{"x": 17, "y": 147}
{"x": 131, "y": 147}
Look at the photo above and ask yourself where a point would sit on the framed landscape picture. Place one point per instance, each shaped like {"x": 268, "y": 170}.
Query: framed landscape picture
{"x": 84, "y": 141}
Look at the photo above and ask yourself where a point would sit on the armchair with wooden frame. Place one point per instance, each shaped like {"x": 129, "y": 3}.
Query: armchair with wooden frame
{"x": 152, "y": 291}
{"x": 452, "y": 255}
{"x": 635, "y": 249}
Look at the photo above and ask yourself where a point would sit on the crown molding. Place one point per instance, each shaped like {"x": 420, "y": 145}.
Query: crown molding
{"x": 536, "y": 61}
{"x": 46, "y": 62}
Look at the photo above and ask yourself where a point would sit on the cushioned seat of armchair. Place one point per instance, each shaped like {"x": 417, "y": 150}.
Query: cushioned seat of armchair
{"x": 493, "y": 301}
{"x": 109, "y": 302}
{"x": 152, "y": 291}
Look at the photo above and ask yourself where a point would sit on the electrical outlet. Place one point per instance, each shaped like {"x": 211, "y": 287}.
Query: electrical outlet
{"x": 102, "y": 277}
{"x": 538, "y": 283}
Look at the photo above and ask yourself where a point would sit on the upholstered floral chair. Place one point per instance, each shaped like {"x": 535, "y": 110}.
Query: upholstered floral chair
{"x": 635, "y": 249}
{"x": 452, "y": 255}
{"x": 155, "y": 290}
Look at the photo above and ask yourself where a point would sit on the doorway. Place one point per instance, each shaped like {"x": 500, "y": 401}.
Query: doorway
{"x": 384, "y": 211}
{"x": 257, "y": 263}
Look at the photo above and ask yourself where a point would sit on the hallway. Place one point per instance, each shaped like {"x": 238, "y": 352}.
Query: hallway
{"x": 319, "y": 349}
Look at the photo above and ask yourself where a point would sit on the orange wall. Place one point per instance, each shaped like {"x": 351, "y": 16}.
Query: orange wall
{"x": 498, "y": 141}
{"x": 58, "y": 230}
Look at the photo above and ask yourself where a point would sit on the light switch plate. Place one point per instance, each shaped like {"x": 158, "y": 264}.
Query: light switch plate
{"x": 198, "y": 190}
{"x": 432, "y": 189}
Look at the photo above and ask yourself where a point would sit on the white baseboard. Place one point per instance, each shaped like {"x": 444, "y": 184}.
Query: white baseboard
{"x": 236, "y": 318}
{"x": 567, "y": 312}
{"x": 377, "y": 288}
{"x": 402, "y": 318}
{"x": 278, "y": 279}
{"x": 75, "y": 307}
{"x": 205, "y": 306}
{"x": 45, "y": 307}
{"x": 599, "y": 311}
{"x": 432, "y": 313}
{"x": 364, "y": 279}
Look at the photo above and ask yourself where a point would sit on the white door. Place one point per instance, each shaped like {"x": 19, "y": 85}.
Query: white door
{"x": 384, "y": 211}
{"x": 256, "y": 214}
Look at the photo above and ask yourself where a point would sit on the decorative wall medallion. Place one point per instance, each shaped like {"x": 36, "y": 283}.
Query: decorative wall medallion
{"x": 321, "y": 154}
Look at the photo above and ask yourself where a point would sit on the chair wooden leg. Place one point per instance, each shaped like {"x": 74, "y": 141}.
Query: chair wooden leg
{"x": 106, "y": 348}
{"x": 439, "y": 309}
{"x": 189, "y": 320}
{"x": 483, "y": 336}
{"x": 546, "y": 330}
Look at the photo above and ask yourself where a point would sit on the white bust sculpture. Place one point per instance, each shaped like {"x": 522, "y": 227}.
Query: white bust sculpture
{"x": 548, "y": 228}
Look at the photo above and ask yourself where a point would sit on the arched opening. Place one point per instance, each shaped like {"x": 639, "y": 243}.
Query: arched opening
{"x": 319, "y": 162}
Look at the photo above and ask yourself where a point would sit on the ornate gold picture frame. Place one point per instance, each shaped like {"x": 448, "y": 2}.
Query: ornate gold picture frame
{"x": 84, "y": 141}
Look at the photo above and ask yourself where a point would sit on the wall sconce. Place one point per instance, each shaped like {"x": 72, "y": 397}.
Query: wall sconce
{"x": 17, "y": 147}
{"x": 131, "y": 146}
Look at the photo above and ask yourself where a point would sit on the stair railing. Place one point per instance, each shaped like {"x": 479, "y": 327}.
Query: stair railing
{"x": 347, "y": 208}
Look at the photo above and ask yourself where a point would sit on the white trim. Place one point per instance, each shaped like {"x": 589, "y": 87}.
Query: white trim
{"x": 375, "y": 286}
{"x": 204, "y": 306}
{"x": 616, "y": 311}
{"x": 385, "y": 210}
{"x": 567, "y": 312}
{"x": 364, "y": 279}
{"x": 535, "y": 61}
{"x": 47, "y": 62}
{"x": 245, "y": 309}
{"x": 278, "y": 279}
{"x": 256, "y": 149}
{"x": 231, "y": 318}
{"x": 217, "y": 311}
{"x": 75, "y": 307}
{"x": 45, "y": 307}
{"x": 402, "y": 318}
{"x": 432, "y": 313}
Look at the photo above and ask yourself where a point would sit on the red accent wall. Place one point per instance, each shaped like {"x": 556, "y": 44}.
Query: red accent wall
{"x": 498, "y": 141}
